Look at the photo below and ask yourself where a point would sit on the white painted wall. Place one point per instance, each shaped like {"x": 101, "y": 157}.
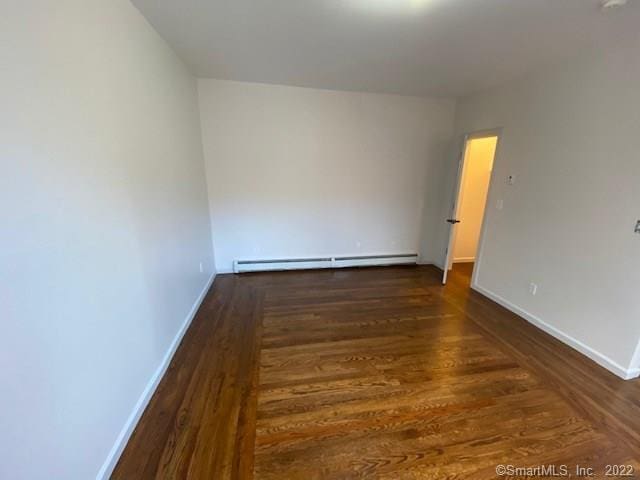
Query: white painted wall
{"x": 571, "y": 138}
{"x": 297, "y": 172}
{"x": 104, "y": 220}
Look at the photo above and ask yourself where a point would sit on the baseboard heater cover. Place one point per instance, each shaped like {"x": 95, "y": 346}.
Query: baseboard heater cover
{"x": 240, "y": 266}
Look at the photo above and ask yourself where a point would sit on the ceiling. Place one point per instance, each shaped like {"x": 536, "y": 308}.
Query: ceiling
{"x": 411, "y": 47}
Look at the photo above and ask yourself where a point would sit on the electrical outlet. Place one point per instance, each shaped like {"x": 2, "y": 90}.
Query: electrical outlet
{"x": 533, "y": 288}
{"x": 201, "y": 268}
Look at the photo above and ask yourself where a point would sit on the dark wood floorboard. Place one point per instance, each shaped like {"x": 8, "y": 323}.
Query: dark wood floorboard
{"x": 374, "y": 373}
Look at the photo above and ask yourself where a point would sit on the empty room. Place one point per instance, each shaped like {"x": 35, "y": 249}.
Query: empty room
{"x": 328, "y": 239}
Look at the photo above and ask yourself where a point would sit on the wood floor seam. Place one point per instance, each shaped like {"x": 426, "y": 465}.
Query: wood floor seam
{"x": 373, "y": 373}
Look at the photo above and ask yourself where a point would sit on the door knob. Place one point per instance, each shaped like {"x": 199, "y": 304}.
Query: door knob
{"x": 452, "y": 221}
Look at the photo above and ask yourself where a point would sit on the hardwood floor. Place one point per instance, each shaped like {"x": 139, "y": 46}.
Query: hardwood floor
{"x": 374, "y": 373}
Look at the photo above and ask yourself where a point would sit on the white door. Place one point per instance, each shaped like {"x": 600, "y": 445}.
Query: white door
{"x": 452, "y": 219}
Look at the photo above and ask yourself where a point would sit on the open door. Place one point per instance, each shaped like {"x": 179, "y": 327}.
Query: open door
{"x": 452, "y": 219}
{"x": 469, "y": 200}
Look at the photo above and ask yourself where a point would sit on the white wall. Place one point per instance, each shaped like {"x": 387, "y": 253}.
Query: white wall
{"x": 104, "y": 220}
{"x": 571, "y": 138}
{"x": 297, "y": 172}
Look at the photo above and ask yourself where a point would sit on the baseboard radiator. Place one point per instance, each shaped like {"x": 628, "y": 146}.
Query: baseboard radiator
{"x": 240, "y": 266}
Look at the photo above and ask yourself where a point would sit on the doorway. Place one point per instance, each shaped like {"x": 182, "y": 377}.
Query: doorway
{"x": 469, "y": 203}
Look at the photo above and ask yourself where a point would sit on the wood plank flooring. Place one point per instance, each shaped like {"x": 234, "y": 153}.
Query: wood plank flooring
{"x": 374, "y": 373}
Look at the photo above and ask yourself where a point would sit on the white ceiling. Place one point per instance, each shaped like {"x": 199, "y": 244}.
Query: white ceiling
{"x": 413, "y": 47}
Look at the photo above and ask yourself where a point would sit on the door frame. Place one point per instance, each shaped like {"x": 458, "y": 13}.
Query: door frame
{"x": 455, "y": 200}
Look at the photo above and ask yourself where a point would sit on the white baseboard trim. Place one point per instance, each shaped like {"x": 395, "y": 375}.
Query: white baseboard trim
{"x": 599, "y": 358}
{"x": 430, "y": 262}
{"x": 439, "y": 265}
{"x": 224, "y": 270}
{"x": 121, "y": 441}
{"x": 464, "y": 260}
{"x": 632, "y": 373}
